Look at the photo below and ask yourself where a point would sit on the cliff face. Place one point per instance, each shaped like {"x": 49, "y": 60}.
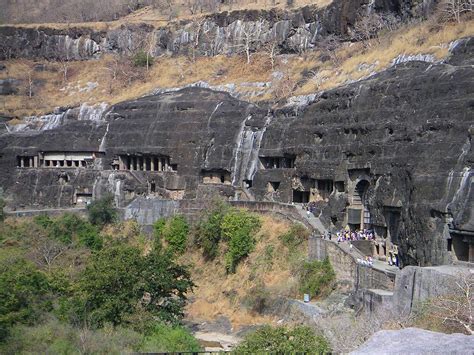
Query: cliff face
{"x": 393, "y": 152}
{"x": 222, "y": 33}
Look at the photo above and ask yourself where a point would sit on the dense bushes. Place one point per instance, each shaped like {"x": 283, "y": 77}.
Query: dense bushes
{"x": 24, "y": 292}
{"x": 71, "y": 229}
{"x": 117, "y": 279}
{"x": 283, "y": 340}
{"x": 102, "y": 211}
{"x": 235, "y": 227}
{"x": 208, "y": 231}
{"x": 316, "y": 277}
{"x": 174, "y": 232}
{"x": 169, "y": 339}
{"x": 73, "y": 288}
{"x": 238, "y": 229}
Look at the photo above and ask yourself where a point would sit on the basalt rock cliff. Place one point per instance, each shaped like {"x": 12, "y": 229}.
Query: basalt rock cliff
{"x": 221, "y": 33}
{"x": 393, "y": 152}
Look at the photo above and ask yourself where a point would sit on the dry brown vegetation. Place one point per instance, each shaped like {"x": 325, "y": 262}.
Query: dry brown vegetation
{"x": 113, "y": 13}
{"x": 115, "y": 79}
{"x": 218, "y": 293}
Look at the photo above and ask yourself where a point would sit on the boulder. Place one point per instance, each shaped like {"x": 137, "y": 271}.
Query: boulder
{"x": 416, "y": 341}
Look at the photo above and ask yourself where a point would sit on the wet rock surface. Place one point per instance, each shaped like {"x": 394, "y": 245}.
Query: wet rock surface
{"x": 407, "y": 132}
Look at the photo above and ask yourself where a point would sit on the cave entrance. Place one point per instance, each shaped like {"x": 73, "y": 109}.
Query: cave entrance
{"x": 463, "y": 250}
{"x": 300, "y": 196}
{"x": 273, "y": 186}
{"x": 361, "y": 219}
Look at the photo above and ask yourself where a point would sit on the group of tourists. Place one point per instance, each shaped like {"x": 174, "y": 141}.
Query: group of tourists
{"x": 310, "y": 208}
{"x": 348, "y": 235}
{"x": 367, "y": 261}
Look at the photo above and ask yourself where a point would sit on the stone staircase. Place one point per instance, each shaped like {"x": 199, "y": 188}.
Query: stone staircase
{"x": 314, "y": 221}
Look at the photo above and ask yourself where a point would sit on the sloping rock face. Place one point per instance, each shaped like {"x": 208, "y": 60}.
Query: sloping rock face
{"x": 405, "y": 134}
{"x": 396, "y": 147}
{"x": 416, "y": 341}
{"x": 222, "y": 33}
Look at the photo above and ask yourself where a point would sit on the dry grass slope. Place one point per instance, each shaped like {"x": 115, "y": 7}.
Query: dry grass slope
{"x": 92, "y": 81}
{"x": 219, "y": 294}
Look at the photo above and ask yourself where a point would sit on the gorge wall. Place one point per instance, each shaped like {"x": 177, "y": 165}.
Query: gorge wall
{"x": 392, "y": 152}
{"x": 221, "y": 33}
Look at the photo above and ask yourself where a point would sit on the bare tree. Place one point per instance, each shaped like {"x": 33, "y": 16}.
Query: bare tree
{"x": 366, "y": 27}
{"x": 283, "y": 86}
{"x": 329, "y": 46}
{"x": 250, "y": 38}
{"x": 30, "y": 82}
{"x": 271, "y": 48}
{"x": 452, "y": 10}
{"x": 457, "y": 307}
{"x": 46, "y": 250}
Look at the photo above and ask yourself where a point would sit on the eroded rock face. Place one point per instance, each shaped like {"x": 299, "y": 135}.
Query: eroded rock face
{"x": 221, "y": 33}
{"x": 416, "y": 341}
{"x": 397, "y": 145}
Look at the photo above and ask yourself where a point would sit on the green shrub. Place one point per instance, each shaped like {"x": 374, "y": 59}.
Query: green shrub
{"x": 117, "y": 277}
{"x": 208, "y": 230}
{"x": 170, "y": 339}
{"x": 316, "y": 277}
{"x": 174, "y": 231}
{"x": 71, "y": 229}
{"x": 238, "y": 229}
{"x": 282, "y": 340}
{"x": 54, "y": 337}
{"x": 296, "y": 235}
{"x": 24, "y": 293}
{"x": 102, "y": 211}
{"x": 142, "y": 59}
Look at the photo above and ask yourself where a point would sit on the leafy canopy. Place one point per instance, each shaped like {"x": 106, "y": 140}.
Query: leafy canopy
{"x": 119, "y": 278}
{"x": 174, "y": 232}
{"x": 24, "y": 293}
{"x": 238, "y": 229}
{"x": 102, "y": 211}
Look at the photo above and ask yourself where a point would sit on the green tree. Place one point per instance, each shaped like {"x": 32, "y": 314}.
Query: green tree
{"x": 174, "y": 232}
{"x": 238, "y": 229}
{"x": 208, "y": 230}
{"x": 24, "y": 293}
{"x": 119, "y": 278}
{"x": 102, "y": 211}
{"x": 283, "y": 340}
{"x": 316, "y": 277}
{"x": 142, "y": 59}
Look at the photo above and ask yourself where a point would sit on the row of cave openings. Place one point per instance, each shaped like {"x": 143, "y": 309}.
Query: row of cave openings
{"x": 58, "y": 160}
{"x": 144, "y": 163}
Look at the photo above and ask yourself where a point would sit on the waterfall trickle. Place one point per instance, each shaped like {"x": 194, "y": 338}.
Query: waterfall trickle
{"x": 247, "y": 150}
{"x": 462, "y": 192}
{"x": 38, "y": 123}
{"x": 102, "y": 142}
{"x": 51, "y": 121}
{"x": 92, "y": 113}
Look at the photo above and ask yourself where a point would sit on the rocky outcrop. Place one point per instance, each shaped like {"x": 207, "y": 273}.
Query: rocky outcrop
{"x": 404, "y": 135}
{"x": 416, "y": 341}
{"x": 221, "y": 33}
{"x": 415, "y": 285}
{"x": 9, "y": 86}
